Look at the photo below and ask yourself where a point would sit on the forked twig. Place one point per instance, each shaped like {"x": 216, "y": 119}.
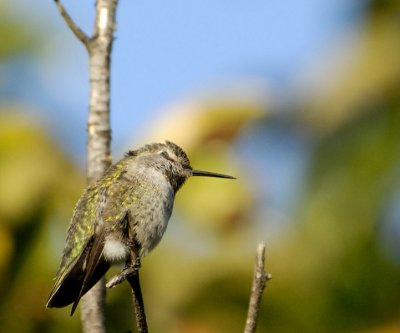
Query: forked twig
{"x": 71, "y": 24}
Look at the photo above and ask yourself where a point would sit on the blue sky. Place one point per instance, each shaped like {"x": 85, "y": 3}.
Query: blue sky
{"x": 165, "y": 51}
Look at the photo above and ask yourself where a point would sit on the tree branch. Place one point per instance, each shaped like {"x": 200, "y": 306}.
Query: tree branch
{"x": 131, "y": 273}
{"x": 92, "y": 309}
{"x": 72, "y": 25}
{"x": 99, "y": 137}
{"x": 260, "y": 279}
{"x": 99, "y": 131}
{"x": 138, "y": 304}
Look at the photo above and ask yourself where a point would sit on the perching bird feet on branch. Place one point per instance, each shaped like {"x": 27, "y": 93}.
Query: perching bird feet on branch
{"x": 129, "y": 270}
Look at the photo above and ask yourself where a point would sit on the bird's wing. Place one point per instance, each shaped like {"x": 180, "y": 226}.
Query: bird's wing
{"x": 113, "y": 217}
{"x": 82, "y": 264}
{"x": 80, "y": 277}
{"x": 68, "y": 284}
{"x": 94, "y": 266}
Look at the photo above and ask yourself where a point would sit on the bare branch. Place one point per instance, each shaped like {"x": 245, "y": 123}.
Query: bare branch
{"x": 99, "y": 139}
{"x": 260, "y": 279}
{"x": 93, "y": 308}
{"x": 138, "y": 304}
{"x": 72, "y": 25}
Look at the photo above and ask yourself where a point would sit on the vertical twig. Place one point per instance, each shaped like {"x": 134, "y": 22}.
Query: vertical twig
{"x": 99, "y": 132}
{"x": 131, "y": 273}
{"x": 138, "y": 304}
{"x": 260, "y": 279}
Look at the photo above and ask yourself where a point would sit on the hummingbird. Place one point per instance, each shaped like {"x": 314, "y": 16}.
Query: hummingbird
{"x": 121, "y": 218}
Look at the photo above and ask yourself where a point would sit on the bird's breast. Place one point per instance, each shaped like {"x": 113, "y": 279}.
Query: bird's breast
{"x": 151, "y": 212}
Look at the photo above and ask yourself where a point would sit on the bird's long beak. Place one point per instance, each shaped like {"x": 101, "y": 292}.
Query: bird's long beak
{"x": 210, "y": 174}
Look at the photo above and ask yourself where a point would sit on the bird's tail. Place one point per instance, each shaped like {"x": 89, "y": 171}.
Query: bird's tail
{"x": 80, "y": 277}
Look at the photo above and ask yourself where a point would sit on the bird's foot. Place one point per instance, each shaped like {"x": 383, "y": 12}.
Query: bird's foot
{"x": 128, "y": 271}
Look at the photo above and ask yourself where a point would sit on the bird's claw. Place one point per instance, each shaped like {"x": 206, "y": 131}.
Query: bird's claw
{"x": 127, "y": 272}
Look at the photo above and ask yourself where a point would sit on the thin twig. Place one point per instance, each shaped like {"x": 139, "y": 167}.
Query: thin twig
{"x": 260, "y": 279}
{"x": 72, "y": 25}
{"x": 138, "y": 304}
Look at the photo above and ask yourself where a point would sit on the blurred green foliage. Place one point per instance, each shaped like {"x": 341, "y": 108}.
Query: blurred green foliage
{"x": 17, "y": 38}
{"x": 331, "y": 272}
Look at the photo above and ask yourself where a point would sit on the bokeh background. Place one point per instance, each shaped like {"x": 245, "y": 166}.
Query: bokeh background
{"x": 299, "y": 99}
